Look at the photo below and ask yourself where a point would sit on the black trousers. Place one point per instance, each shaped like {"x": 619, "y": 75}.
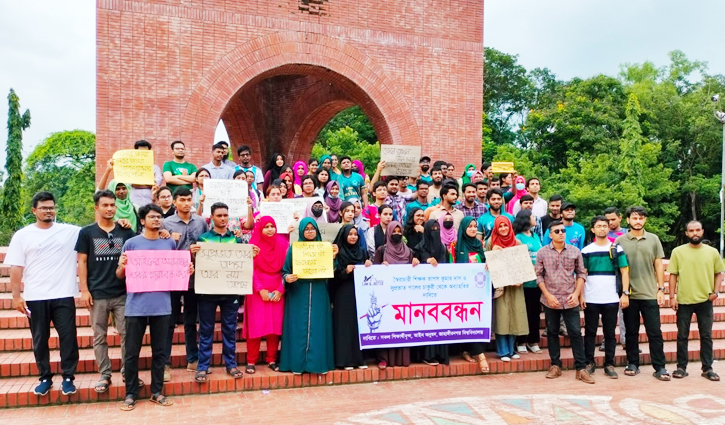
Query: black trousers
{"x": 135, "y": 329}
{"x": 533, "y": 316}
{"x": 62, "y": 312}
{"x": 704, "y": 314}
{"x": 573, "y": 326}
{"x": 650, "y": 312}
{"x": 191, "y": 315}
{"x": 608, "y": 313}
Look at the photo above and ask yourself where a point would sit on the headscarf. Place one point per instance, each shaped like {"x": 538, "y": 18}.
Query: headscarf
{"x": 333, "y": 214}
{"x": 413, "y": 238}
{"x": 322, "y": 159}
{"x": 519, "y": 194}
{"x": 360, "y": 168}
{"x": 502, "y": 241}
{"x": 298, "y": 179}
{"x": 395, "y": 253}
{"x": 290, "y": 190}
{"x": 342, "y": 208}
{"x": 467, "y": 244}
{"x": 477, "y": 177}
{"x": 274, "y": 169}
{"x": 448, "y": 236}
{"x": 305, "y": 221}
{"x": 359, "y": 218}
{"x": 431, "y": 246}
{"x": 349, "y": 254}
{"x": 273, "y": 249}
{"x": 464, "y": 177}
{"x": 124, "y": 208}
{"x": 308, "y": 212}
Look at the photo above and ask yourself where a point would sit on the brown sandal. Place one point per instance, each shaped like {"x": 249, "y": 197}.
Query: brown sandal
{"x": 483, "y": 363}
{"x": 128, "y": 404}
{"x": 467, "y": 357}
{"x": 161, "y": 400}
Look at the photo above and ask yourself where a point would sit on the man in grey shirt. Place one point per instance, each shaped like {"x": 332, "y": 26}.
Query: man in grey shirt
{"x": 217, "y": 168}
{"x": 185, "y": 229}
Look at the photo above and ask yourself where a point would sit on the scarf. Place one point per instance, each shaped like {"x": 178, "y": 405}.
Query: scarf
{"x": 431, "y": 246}
{"x": 448, "y": 236}
{"x": 290, "y": 190}
{"x": 124, "y": 208}
{"x": 395, "y": 253}
{"x": 343, "y": 206}
{"x": 519, "y": 194}
{"x": 273, "y": 169}
{"x": 358, "y": 218}
{"x": 464, "y": 177}
{"x": 477, "y": 177}
{"x": 467, "y": 245}
{"x": 502, "y": 241}
{"x": 349, "y": 254}
{"x": 333, "y": 214}
{"x": 305, "y": 221}
{"x": 412, "y": 237}
{"x": 273, "y": 249}
{"x": 360, "y": 168}
{"x": 298, "y": 165}
{"x": 308, "y": 212}
{"x": 322, "y": 159}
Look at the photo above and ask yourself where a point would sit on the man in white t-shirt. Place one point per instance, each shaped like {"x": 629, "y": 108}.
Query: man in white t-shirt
{"x": 43, "y": 256}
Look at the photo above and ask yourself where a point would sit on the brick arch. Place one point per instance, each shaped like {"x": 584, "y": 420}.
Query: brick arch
{"x": 292, "y": 53}
{"x": 313, "y": 123}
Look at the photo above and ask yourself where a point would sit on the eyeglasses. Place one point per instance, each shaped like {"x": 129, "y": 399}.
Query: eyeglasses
{"x": 153, "y": 217}
{"x": 46, "y": 209}
{"x": 559, "y": 231}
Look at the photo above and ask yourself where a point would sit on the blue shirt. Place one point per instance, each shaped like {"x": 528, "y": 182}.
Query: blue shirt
{"x": 148, "y": 303}
{"x": 350, "y": 187}
{"x": 575, "y": 235}
{"x": 485, "y": 222}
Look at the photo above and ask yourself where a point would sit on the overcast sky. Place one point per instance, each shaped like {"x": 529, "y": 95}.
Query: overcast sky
{"x": 47, "y": 47}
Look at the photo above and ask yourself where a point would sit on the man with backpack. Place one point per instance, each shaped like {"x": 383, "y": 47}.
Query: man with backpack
{"x": 603, "y": 293}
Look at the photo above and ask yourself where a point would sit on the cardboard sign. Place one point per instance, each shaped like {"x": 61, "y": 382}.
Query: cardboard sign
{"x": 400, "y": 160}
{"x": 328, "y": 232}
{"x": 156, "y": 271}
{"x": 224, "y": 269}
{"x": 134, "y": 166}
{"x": 313, "y": 260}
{"x": 510, "y": 266}
{"x": 280, "y": 212}
{"x": 299, "y": 205}
{"x": 502, "y": 167}
{"x": 233, "y": 193}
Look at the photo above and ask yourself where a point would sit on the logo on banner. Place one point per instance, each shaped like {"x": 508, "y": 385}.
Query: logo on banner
{"x": 374, "y": 315}
{"x": 369, "y": 281}
{"x": 480, "y": 279}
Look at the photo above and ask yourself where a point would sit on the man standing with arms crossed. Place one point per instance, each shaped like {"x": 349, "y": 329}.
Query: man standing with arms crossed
{"x": 695, "y": 279}
{"x": 102, "y": 292}
{"x": 647, "y": 292}
{"x": 178, "y": 172}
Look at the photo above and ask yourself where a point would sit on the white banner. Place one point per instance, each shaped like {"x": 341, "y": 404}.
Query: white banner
{"x": 406, "y": 306}
{"x": 234, "y": 193}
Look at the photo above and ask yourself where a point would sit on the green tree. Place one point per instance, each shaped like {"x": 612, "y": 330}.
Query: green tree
{"x": 346, "y": 141}
{"x": 11, "y": 207}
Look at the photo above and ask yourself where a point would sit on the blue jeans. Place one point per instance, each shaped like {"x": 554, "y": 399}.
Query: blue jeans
{"x": 228, "y": 306}
{"x": 505, "y": 345}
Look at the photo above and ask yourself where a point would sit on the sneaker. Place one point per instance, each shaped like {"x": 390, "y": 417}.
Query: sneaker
{"x": 522, "y": 349}
{"x": 563, "y": 331}
{"x": 584, "y": 376}
{"x": 601, "y": 347}
{"x": 505, "y": 359}
{"x": 590, "y": 368}
{"x": 515, "y": 356}
{"x": 609, "y": 371}
{"x": 43, "y": 387}
{"x": 363, "y": 367}
{"x": 431, "y": 362}
{"x": 534, "y": 348}
{"x": 192, "y": 366}
{"x": 545, "y": 333}
{"x": 349, "y": 368}
{"x": 167, "y": 373}
{"x": 67, "y": 387}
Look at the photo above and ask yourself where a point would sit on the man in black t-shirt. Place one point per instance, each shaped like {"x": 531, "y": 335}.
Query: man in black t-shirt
{"x": 99, "y": 248}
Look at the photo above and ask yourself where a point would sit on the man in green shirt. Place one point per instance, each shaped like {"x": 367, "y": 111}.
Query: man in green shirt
{"x": 178, "y": 172}
{"x": 695, "y": 276}
{"x": 647, "y": 292}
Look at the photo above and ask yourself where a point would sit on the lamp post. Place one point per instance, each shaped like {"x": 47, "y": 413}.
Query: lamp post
{"x": 721, "y": 117}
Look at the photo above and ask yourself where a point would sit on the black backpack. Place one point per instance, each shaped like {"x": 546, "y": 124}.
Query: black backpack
{"x": 614, "y": 257}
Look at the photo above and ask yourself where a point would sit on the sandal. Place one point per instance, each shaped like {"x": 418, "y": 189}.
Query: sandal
{"x": 680, "y": 373}
{"x": 128, "y": 404}
{"x": 711, "y": 375}
{"x": 235, "y": 373}
{"x": 102, "y": 385}
{"x": 631, "y": 370}
{"x": 662, "y": 375}
{"x": 161, "y": 400}
{"x": 251, "y": 369}
{"x": 467, "y": 357}
{"x": 274, "y": 366}
{"x": 200, "y": 376}
{"x": 383, "y": 365}
{"x": 483, "y": 363}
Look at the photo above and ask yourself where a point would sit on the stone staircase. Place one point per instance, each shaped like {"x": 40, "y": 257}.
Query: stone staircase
{"x": 18, "y": 372}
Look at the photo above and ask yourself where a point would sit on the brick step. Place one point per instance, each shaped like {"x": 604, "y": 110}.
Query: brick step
{"x": 21, "y": 339}
{"x": 3, "y": 252}
{"x": 5, "y": 285}
{"x": 667, "y": 315}
{"x": 4, "y": 270}
{"x": 22, "y": 363}
{"x": 18, "y": 392}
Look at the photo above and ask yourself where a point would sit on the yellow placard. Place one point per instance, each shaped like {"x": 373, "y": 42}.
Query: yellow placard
{"x": 134, "y": 166}
{"x": 502, "y": 167}
{"x": 312, "y": 260}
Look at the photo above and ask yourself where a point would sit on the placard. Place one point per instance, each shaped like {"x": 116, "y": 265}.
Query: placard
{"x": 406, "y": 306}
{"x": 234, "y": 193}
{"x": 280, "y": 212}
{"x": 510, "y": 266}
{"x": 312, "y": 260}
{"x": 502, "y": 167}
{"x": 328, "y": 232}
{"x": 400, "y": 160}
{"x": 156, "y": 271}
{"x": 224, "y": 269}
{"x": 299, "y": 205}
{"x": 134, "y": 166}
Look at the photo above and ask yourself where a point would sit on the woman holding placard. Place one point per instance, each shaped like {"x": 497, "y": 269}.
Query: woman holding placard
{"x": 307, "y": 325}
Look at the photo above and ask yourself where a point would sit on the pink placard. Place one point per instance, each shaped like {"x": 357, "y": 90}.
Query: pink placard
{"x": 152, "y": 271}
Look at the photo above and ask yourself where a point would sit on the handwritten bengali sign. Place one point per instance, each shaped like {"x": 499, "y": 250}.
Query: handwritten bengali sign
{"x": 406, "y": 306}
{"x": 312, "y": 260}
{"x": 134, "y": 166}
{"x": 502, "y": 167}
{"x": 400, "y": 160}
{"x": 328, "y": 232}
{"x": 510, "y": 266}
{"x": 154, "y": 271}
{"x": 234, "y": 193}
{"x": 299, "y": 205}
{"x": 224, "y": 269}
{"x": 282, "y": 213}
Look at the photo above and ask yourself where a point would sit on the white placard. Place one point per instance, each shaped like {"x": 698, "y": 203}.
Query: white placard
{"x": 400, "y": 160}
{"x": 233, "y": 193}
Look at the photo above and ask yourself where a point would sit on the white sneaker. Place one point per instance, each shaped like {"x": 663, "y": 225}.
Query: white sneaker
{"x": 534, "y": 348}
{"x": 521, "y": 349}
{"x": 505, "y": 359}
{"x": 515, "y": 356}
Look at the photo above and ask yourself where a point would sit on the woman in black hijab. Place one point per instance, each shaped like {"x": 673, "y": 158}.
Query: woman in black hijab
{"x": 274, "y": 170}
{"x": 413, "y": 231}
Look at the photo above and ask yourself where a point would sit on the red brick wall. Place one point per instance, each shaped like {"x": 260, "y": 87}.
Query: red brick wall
{"x": 170, "y": 69}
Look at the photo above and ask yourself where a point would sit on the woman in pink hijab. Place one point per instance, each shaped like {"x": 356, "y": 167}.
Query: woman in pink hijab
{"x": 299, "y": 170}
{"x": 519, "y": 190}
{"x": 360, "y": 167}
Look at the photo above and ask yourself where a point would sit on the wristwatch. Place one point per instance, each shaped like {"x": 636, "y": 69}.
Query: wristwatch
{"x": 661, "y": 289}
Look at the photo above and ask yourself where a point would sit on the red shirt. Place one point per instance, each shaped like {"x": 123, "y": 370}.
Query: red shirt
{"x": 371, "y": 213}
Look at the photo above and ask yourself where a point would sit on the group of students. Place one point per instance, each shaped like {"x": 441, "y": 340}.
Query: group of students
{"x": 433, "y": 218}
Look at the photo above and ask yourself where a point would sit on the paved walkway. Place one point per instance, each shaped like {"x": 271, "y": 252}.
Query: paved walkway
{"x": 523, "y": 398}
